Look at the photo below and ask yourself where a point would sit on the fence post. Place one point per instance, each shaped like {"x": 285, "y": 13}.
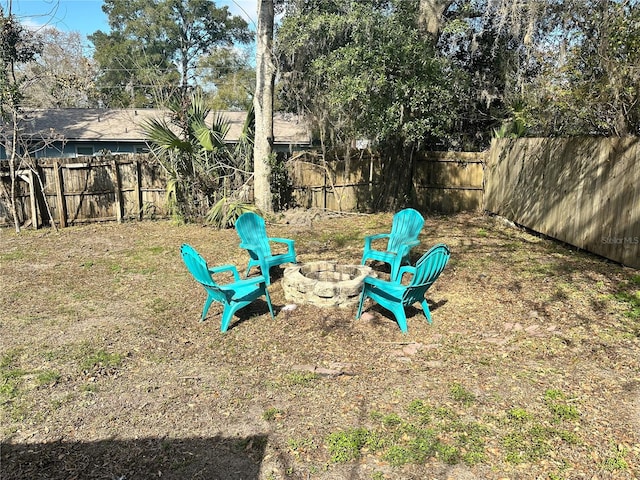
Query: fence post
{"x": 27, "y": 176}
{"x": 118, "y": 189}
{"x": 138, "y": 189}
{"x": 62, "y": 208}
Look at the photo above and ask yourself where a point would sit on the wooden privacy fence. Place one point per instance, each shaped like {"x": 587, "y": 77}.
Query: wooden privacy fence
{"x": 582, "y": 191}
{"x": 86, "y": 189}
{"x": 443, "y": 182}
{"x": 114, "y": 188}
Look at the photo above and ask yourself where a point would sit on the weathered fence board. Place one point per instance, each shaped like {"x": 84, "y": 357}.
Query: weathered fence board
{"x": 450, "y": 182}
{"x": 25, "y": 192}
{"x": 89, "y": 189}
{"x": 443, "y": 182}
{"x": 582, "y": 191}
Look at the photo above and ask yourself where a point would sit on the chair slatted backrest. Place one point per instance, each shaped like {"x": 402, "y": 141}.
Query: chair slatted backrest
{"x": 428, "y": 269}
{"x": 252, "y": 230}
{"x": 200, "y": 271}
{"x": 405, "y": 227}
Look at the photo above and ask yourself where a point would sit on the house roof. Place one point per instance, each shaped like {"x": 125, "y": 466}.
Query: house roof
{"x": 124, "y": 125}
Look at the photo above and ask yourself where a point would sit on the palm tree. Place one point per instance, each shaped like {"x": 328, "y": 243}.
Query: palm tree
{"x": 201, "y": 167}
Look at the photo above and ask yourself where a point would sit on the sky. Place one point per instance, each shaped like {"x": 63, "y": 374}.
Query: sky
{"x": 86, "y": 16}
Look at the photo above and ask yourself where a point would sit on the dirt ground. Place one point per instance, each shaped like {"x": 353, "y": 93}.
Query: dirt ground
{"x": 530, "y": 370}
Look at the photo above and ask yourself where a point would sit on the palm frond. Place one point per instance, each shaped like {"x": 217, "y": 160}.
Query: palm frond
{"x": 226, "y": 211}
{"x": 219, "y": 128}
{"x": 211, "y": 139}
{"x": 243, "y": 151}
{"x": 198, "y": 106}
{"x": 160, "y": 133}
{"x": 202, "y": 134}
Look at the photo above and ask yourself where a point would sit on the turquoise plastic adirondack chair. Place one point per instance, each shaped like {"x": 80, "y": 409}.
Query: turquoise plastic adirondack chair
{"x": 405, "y": 228}
{"x": 394, "y": 296}
{"x": 233, "y": 296}
{"x": 253, "y": 238}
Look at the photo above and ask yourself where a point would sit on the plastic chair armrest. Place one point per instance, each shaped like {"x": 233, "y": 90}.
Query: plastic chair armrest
{"x": 370, "y": 238}
{"x": 390, "y": 287}
{"x": 408, "y": 269}
{"x": 288, "y": 241}
{"x": 226, "y": 268}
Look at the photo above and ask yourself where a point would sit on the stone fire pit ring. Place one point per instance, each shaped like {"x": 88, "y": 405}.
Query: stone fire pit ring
{"x": 324, "y": 283}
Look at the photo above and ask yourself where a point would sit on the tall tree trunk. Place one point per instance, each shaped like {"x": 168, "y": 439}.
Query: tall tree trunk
{"x": 263, "y": 106}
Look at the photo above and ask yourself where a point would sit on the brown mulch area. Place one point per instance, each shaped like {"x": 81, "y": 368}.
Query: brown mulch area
{"x": 107, "y": 372}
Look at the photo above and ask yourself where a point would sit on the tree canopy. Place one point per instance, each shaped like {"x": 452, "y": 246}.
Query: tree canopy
{"x": 155, "y": 45}
{"x": 229, "y": 78}
{"x": 60, "y": 75}
{"x": 18, "y": 46}
{"x": 450, "y": 74}
{"x": 589, "y": 78}
{"x": 363, "y": 71}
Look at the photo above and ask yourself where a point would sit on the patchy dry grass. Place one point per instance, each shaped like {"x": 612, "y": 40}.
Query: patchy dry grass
{"x": 530, "y": 370}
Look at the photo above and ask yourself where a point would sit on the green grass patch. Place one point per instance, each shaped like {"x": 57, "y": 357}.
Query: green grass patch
{"x": 156, "y": 250}
{"x": 628, "y": 295}
{"x": 14, "y": 379}
{"x": 560, "y": 407}
{"x": 341, "y": 239}
{"x": 426, "y": 431}
{"x": 422, "y": 410}
{"x": 302, "y": 379}
{"x": 10, "y": 376}
{"x": 627, "y": 299}
{"x": 462, "y": 395}
{"x": 346, "y": 445}
{"x": 529, "y": 438}
{"x": 143, "y": 260}
{"x": 519, "y": 414}
{"x": 161, "y": 305}
{"x": 415, "y": 439}
{"x": 616, "y": 461}
{"x": 115, "y": 268}
{"x": 445, "y": 413}
{"x": 47, "y": 378}
{"x": 270, "y": 414}
{"x": 392, "y": 420}
{"x": 512, "y": 246}
{"x": 101, "y": 359}
{"x": 534, "y": 441}
{"x": 8, "y": 389}
{"x": 12, "y": 256}
{"x": 297, "y": 446}
{"x": 8, "y": 359}
{"x": 89, "y": 388}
